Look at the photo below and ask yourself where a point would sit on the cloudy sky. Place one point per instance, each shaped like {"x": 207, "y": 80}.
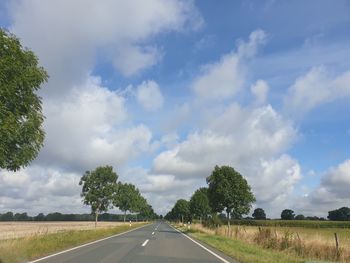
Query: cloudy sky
{"x": 163, "y": 90}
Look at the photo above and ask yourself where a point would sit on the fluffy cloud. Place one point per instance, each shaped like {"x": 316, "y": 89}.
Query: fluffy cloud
{"x": 332, "y": 193}
{"x": 86, "y": 123}
{"x": 36, "y": 189}
{"x": 67, "y": 47}
{"x": 251, "y": 140}
{"x": 149, "y": 96}
{"x": 87, "y": 129}
{"x": 260, "y": 90}
{"x": 223, "y": 79}
{"x": 315, "y": 88}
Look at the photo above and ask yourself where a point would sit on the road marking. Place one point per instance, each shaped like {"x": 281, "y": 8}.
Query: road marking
{"x": 145, "y": 243}
{"x": 93, "y": 242}
{"x": 199, "y": 244}
{"x": 152, "y": 233}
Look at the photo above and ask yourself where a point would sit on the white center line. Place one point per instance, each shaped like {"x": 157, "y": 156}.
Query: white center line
{"x": 152, "y": 233}
{"x": 145, "y": 243}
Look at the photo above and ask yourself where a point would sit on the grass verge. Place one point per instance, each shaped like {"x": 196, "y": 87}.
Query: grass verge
{"x": 241, "y": 251}
{"x": 29, "y": 248}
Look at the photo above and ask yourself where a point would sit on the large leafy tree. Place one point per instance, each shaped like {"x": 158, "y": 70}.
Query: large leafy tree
{"x": 259, "y": 214}
{"x": 229, "y": 191}
{"x": 99, "y": 188}
{"x": 128, "y": 198}
{"x": 287, "y": 214}
{"x": 182, "y": 210}
{"x": 21, "y": 118}
{"x": 199, "y": 203}
{"x": 341, "y": 214}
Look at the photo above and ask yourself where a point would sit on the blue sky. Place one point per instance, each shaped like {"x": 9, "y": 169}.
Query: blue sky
{"x": 164, "y": 90}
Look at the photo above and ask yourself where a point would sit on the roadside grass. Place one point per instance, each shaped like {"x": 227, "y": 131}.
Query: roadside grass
{"x": 243, "y": 252}
{"x": 293, "y": 223}
{"x": 36, "y": 246}
{"x": 299, "y": 244}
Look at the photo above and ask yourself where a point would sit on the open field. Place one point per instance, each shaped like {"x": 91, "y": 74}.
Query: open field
{"x": 10, "y": 230}
{"x": 38, "y": 245}
{"x": 294, "y": 223}
{"x": 298, "y": 242}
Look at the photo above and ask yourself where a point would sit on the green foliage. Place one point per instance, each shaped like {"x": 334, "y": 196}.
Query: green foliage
{"x": 128, "y": 198}
{"x": 229, "y": 191}
{"x": 180, "y": 211}
{"x": 199, "y": 203}
{"x": 21, "y": 115}
{"x": 259, "y": 214}
{"x": 99, "y": 188}
{"x": 299, "y": 217}
{"x": 287, "y": 214}
{"x": 341, "y": 214}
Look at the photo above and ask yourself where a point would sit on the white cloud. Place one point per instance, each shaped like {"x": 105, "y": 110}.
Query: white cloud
{"x": 131, "y": 60}
{"x": 332, "y": 193}
{"x": 223, "y": 79}
{"x": 251, "y": 140}
{"x": 315, "y": 88}
{"x": 88, "y": 129}
{"x": 149, "y": 96}
{"x": 36, "y": 189}
{"x": 122, "y": 29}
{"x": 260, "y": 90}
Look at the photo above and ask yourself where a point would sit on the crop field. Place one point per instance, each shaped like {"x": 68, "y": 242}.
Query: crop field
{"x": 11, "y": 230}
{"x": 308, "y": 242}
{"x": 294, "y": 223}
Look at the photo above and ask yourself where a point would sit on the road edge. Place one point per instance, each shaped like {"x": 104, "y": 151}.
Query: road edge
{"x": 204, "y": 247}
{"x": 84, "y": 245}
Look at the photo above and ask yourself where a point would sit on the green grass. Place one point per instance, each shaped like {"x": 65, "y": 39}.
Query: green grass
{"x": 29, "y": 248}
{"x": 243, "y": 252}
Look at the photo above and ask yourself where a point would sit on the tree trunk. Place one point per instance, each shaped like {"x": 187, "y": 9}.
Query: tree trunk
{"x": 124, "y": 216}
{"x": 96, "y": 218}
{"x": 136, "y": 217}
{"x": 200, "y": 220}
{"x": 228, "y": 223}
{"x": 182, "y": 218}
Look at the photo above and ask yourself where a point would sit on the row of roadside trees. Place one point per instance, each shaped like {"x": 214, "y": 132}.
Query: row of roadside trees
{"x": 102, "y": 191}
{"x": 227, "y": 191}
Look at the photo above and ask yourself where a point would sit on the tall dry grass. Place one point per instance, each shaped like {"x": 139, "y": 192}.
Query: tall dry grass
{"x": 319, "y": 246}
{"x": 11, "y": 230}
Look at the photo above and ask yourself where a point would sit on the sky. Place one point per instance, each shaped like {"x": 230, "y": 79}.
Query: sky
{"x": 164, "y": 90}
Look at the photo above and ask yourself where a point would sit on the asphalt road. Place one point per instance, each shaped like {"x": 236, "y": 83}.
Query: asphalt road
{"x": 157, "y": 242}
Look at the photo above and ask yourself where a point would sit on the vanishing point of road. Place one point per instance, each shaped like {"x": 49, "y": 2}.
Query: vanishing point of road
{"x": 157, "y": 242}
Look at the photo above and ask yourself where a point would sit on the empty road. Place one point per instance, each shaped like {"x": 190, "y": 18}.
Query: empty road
{"x": 157, "y": 242}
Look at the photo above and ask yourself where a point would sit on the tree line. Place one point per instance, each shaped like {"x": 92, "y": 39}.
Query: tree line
{"x": 56, "y": 216}
{"x": 228, "y": 191}
{"x": 102, "y": 191}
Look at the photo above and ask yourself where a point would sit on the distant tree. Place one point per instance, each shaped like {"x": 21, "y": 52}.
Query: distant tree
{"x": 341, "y": 214}
{"x": 39, "y": 217}
{"x": 259, "y": 214}
{"x": 7, "y": 216}
{"x": 99, "y": 187}
{"x": 299, "y": 217}
{"x": 127, "y": 198}
{"x": 21, "y": 115}
{"x": 21, "y": 217}
{"x": 199, "y": 204}
{"x": 229, "y": 191}
{"x": 182, "y": 210}
{"x": 287, "y": 214}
